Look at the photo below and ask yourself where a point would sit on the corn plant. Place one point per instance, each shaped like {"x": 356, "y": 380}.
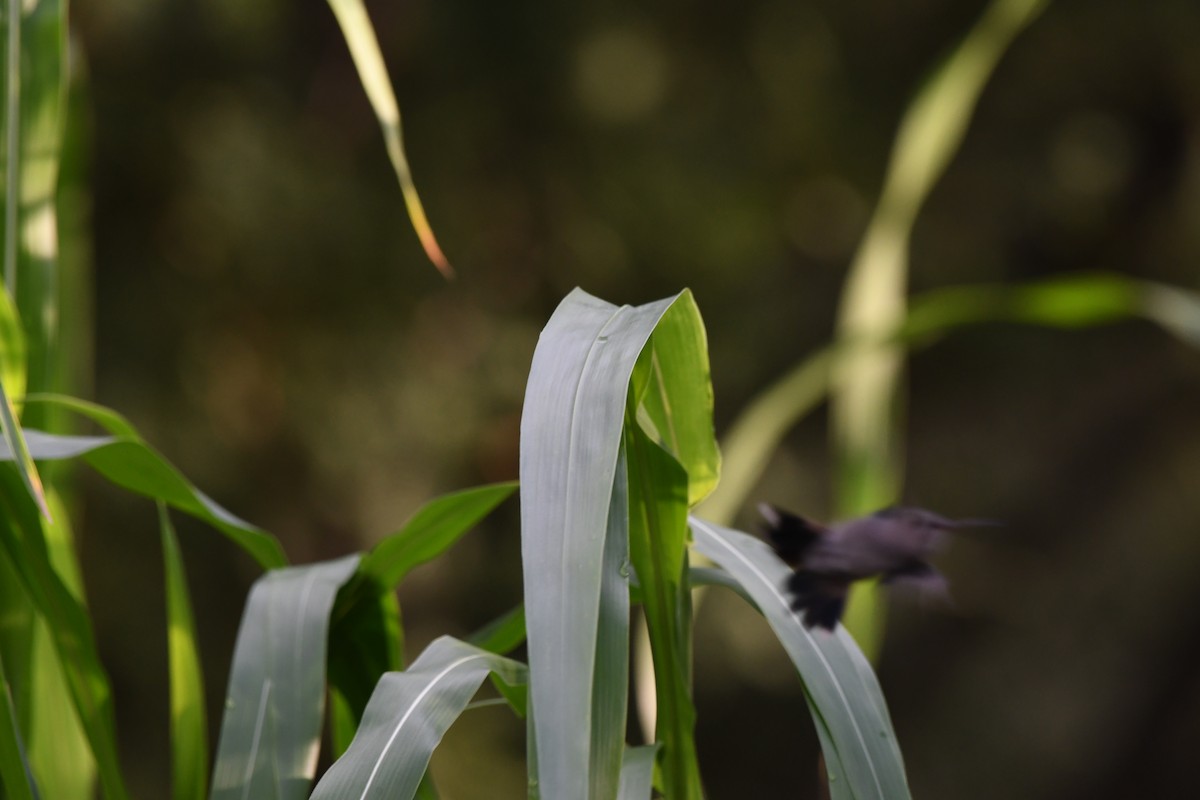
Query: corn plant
{"x": 622, "y": 515}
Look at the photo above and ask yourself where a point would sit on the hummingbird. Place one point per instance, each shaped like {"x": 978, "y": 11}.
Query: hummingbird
{"x": 894, "y": 543}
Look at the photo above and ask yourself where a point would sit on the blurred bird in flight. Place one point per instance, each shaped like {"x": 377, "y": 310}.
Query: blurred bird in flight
{"x": 894, "y": 544}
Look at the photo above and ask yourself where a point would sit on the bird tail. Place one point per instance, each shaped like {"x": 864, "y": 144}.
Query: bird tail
{"x": 789, "y": 534}
{"x": 822, "y": 599}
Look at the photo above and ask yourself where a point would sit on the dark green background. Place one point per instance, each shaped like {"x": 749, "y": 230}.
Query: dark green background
{"x": 265, "y": 315}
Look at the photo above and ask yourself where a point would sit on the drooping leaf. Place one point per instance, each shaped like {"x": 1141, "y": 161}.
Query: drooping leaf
{"x": 134, "y": 465}
{"x": 406, "y": 718}
{"x": 846, "y": 702}
{"x": 271, "y": 731}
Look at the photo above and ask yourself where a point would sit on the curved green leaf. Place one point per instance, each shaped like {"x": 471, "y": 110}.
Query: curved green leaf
{"x": 271, "y": 732}
{"x": 407, "y": 716}
{"x": 675, "y": 400}
{"x": 845, "y": 699}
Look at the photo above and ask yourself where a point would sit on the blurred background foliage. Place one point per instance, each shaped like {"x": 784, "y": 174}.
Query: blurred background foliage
{"x": 265, "y": 315}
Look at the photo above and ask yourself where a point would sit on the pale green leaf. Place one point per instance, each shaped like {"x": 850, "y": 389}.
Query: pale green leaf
{"x": 406, "y": 718}
{"x": 271, "y": 730}
{"x": 570, "y": 440}
{"x": 637, "y": 773}
{"x": 846, "y": 702}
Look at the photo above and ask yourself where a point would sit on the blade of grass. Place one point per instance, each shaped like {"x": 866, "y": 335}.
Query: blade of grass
{"x": 58, "y": 746}
{"x": 406, "y": 718}
{"x": 22, "y": 539}
{"x": 658, "y": 549}
{"x": 271, "y": 731}
{"x": 16, "y": 779}
{"x": 866, "y": 383}
{"x": 503, "y": 634}
{"x": 189, "y": 727}
{"x": 364, "y": 50}
{"x": 570, "y": 441}
{"x": 843, "y": 695}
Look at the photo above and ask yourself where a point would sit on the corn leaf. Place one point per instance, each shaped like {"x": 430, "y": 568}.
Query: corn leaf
{"x": 189, "y": 726}
{"x": 407, "y": 716}
{"x": 134, "y": 465}
{"x": 571, "y": 434}
{"x": 844, "y": 697}
{"x": 271, "y": 731}
{"x": 637, "y": 773}
{"x": 24, "y": 543}
{"x": 16, "y": 778}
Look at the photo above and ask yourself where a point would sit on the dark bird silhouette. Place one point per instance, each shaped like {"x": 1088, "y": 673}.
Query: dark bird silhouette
{"x": 894, "y": 543}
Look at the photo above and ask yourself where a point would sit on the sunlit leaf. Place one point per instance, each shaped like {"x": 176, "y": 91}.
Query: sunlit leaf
{"x": 58, "y": 746}
{"x": 364, "y": 50}
{"x": 189, "y": 726}
{"x": 675, "y": 404}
